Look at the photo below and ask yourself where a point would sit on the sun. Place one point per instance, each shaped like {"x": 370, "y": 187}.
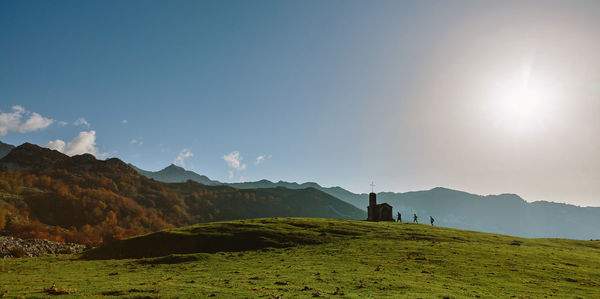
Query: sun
{"x": 521, "y": 102}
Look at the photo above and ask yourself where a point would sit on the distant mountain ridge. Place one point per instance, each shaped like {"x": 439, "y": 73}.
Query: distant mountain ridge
{"x": 5, "y": 149}
{"x": 355, "y": 199}
{"x": 504, "y": 213}
{"x": 175, "y": 174}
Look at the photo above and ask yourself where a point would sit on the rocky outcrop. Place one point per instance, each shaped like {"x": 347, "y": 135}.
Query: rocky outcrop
{"x": 15, "y": 247}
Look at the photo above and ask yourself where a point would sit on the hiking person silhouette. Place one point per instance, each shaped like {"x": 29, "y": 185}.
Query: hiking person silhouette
{"x": 415, "y": 218}
{"x": 399, "y": 217}
{"x": 431, "y": 220}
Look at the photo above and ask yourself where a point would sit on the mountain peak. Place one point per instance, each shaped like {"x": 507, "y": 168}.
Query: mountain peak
{"x": 173, "y": 167}
{"x": 84, "y": 157}
{"x": 312, "y": 184}
{"x": 33, "y": 157}
{"x": 175, "y": 174}
{"x": 264, "y": 181}
{"x": 29, "y": 155}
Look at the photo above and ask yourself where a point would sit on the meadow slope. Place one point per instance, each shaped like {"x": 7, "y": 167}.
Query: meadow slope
{"x": 312, "y": 257}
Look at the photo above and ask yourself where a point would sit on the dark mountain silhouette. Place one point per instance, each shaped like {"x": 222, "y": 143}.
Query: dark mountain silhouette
{"x": 505, "y": 213}
{"x": 30, "y": 156}
{"x": 175, "y": 174}
{"x": 5, "y": 148}
{"x": 46, "y": 194}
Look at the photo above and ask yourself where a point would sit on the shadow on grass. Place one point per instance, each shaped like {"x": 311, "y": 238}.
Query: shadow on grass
{"x": 174, "y": 259}
{"x": 124, "y": 293}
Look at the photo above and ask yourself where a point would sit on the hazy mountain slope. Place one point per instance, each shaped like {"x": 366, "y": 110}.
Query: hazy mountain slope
{"x": 175, "y": 174}
{"x": 504, "y": 213}
{"x": 46, "y": 194}
{"x": 357, "y": 200}
{"x": 5, "y": 148}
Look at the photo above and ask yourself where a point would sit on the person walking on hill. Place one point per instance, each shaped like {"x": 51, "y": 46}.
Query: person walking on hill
{"x": 415, "y": 218}
{"x": 431, "y": 220}
{"x": 399, "y": 217}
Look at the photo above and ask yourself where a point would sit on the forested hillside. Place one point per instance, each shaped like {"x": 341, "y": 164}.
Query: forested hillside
{"x": 46, "y": 194}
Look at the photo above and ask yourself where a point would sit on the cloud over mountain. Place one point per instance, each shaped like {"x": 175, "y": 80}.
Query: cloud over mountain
{"x": 15, "y": 121}
{"x": 183, "y": 154}
{"x": 83, "y": 143}
{"x": 234, "y": 160}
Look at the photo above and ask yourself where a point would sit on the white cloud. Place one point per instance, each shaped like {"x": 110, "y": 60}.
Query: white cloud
{"x": 124, "y": 121}
{"x": 12, "y": 121}
{"x": 262, "y": 158}
{"x": 234, "y": 160}
{"x": 35, "y": 122}
{"x": 57, "y": 144}
{"x": 83, "y": 143}
{"x": 81, "y": 122}
{"x": 62, "y": 123}
{"x": 138, "y": 141}
{"x": 183, "y": 154}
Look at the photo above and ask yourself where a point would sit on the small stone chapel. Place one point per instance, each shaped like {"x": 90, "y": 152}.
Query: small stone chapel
{"x": 378, "y": 212}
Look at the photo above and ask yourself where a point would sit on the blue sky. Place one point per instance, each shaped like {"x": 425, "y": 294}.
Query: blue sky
{"x": 337, "y": 92}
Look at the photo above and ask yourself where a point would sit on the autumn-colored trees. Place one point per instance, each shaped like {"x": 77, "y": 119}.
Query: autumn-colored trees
{"x": 87, "y": 201}
{"x": 83, "y": 207}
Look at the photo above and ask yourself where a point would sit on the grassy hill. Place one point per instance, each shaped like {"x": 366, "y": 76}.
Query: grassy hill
{"x": 306, "y": 257}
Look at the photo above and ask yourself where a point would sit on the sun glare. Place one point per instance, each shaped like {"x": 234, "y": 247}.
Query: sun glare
{"x": 521, "y": 103}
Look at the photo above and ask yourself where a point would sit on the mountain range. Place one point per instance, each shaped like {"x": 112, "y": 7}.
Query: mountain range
{"x": 503, "y": 214}
{"x": 177, "y": 174}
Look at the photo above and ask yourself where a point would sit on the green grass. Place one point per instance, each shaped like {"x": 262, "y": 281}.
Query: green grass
{"x": 302, "y": 257}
